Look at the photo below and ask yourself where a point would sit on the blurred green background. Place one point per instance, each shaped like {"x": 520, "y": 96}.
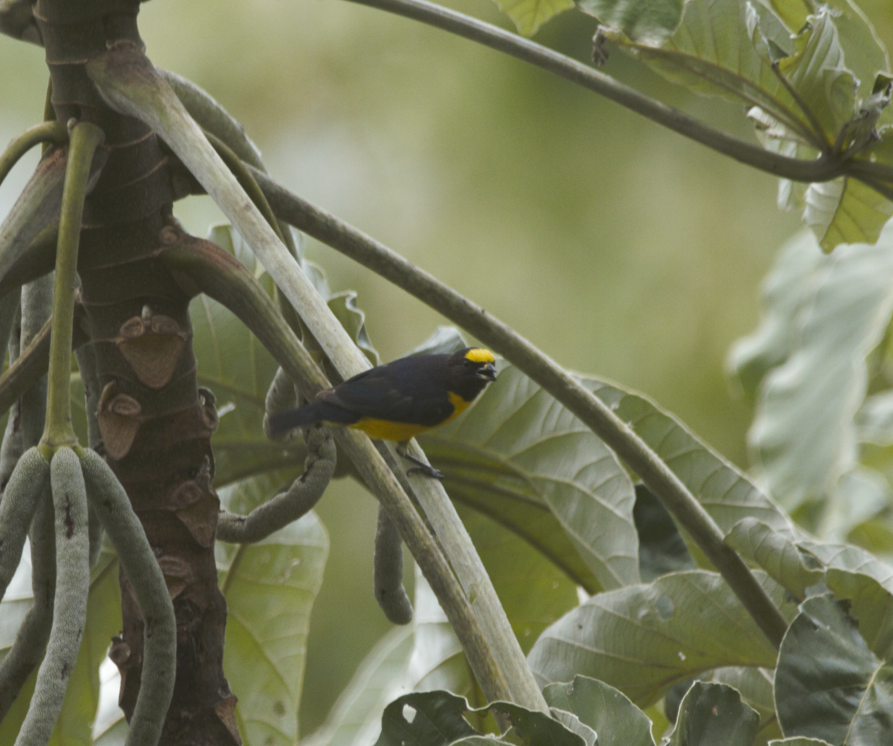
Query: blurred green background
{"x": 621, "y": 249}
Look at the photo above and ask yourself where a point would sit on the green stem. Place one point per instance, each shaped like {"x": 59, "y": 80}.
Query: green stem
{"x": 85, "y": 138}
{"x": 46, "y": 132}
{"x": 548, "y": 374}
{"x": 822, "y": 169}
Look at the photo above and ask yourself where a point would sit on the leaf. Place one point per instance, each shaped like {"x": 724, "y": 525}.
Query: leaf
{"x": 435, "y": 718}
{"x": 529, "y": 15}
{"x": 427, "y": 719}
{"x": 787, "y": 291}
{"x": 524, "y": 460}
{"x": 871, "y": 606}
{"x": 713, "y": 714}
{"x": 344, "y": 306}
{"x": 726, "y": 493}
{"x": 616, "y": 720}
{"x": 845, "y": 211}
{"x": 661, "y": 547}
{"x": 727, "y": 48}
{"x": 645, "y": 22}
{"x": 803, "y": 433}
{"x": 643, "y": 639}
{"x": 799, "y": 741}
{"x": 777, "y": 555}
{"x": 269, "y": 588}
{"x": 533, "y": 591}
{"x": 234, "y": 365}
{"x": 755, "y": 687}
{"x": 424, "y": 654}
{"x": 828, "y": 683}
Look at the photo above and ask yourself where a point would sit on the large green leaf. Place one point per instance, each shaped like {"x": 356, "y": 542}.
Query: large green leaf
{"x": 533, "y": 591}
{"x": 643, "y": 639}
{"x": 845, "y": 211}
{"x": 713, "y": 714}
{"x": 755, "y": 687}
{"x": 803, "y": 433}
{"x": 726, "y": 493}
{"x": 616, "y": 720}
{"x": 521, "y": 458}
{"x": 269, "y": 587}
{"x": 422, "y": 655}
{"x": 828, "y": 683}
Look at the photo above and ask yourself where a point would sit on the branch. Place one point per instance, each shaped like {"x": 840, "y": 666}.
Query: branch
{"x": 219, "y": 275}
{"x": 822, "y": 169}
{"x": 564, "y": 387}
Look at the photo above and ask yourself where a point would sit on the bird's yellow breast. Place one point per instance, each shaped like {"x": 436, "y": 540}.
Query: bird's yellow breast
{"x": 399, "y": 431}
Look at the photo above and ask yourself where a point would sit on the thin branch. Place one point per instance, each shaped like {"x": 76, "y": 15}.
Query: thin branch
{"x": 823, "y": 168}
{"x": 548, "y": 374}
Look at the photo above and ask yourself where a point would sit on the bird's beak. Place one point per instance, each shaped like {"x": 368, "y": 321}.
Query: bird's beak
{"x": 487, "y": 372}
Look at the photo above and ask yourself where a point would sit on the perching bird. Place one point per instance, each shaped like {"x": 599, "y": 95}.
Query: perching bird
{"x": 399, "y": 400}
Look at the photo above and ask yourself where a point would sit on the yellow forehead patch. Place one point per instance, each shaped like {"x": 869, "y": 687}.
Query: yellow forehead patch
{"x": 479, "y": 355}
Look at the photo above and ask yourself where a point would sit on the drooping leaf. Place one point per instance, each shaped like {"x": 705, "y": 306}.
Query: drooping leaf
{"x": 778, "y": 555}
{"x": 615, "y": 720}
{"x": 803, "y": 432}
{"x": 787, "y": 291}
{"x": 845, "y": 211}
{"x": 519, "y": 457}
{"x": 828, "y": 683}
{"x": 645, "y": 22}
{"x": 713, "y": 714}
{"x": 529, "y": 15}
{"x": 269, "y": 587}
{"x": 643, "y": 639}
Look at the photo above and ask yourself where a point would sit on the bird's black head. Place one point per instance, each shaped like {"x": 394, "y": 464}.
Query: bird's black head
{"x": 470, "y": 370}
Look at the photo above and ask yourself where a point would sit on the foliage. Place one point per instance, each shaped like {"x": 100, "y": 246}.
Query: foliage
{"x": 622, "y": 617}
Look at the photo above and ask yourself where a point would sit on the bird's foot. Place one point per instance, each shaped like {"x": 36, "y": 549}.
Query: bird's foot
{"x": 420, "y": 466}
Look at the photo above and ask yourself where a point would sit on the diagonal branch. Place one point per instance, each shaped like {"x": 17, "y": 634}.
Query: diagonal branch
{"x": 548, "y": 374}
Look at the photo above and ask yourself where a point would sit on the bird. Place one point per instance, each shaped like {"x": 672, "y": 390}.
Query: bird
{"x": 399, "y": 400}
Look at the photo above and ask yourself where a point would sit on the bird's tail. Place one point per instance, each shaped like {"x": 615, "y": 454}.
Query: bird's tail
{"x": 309, "y": 414}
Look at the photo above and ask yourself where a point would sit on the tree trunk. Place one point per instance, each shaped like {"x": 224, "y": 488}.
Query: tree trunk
{"x": 154, "y": 423}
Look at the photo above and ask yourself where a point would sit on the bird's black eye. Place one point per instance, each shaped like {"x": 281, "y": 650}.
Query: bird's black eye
{"x": 471, "y": 364}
